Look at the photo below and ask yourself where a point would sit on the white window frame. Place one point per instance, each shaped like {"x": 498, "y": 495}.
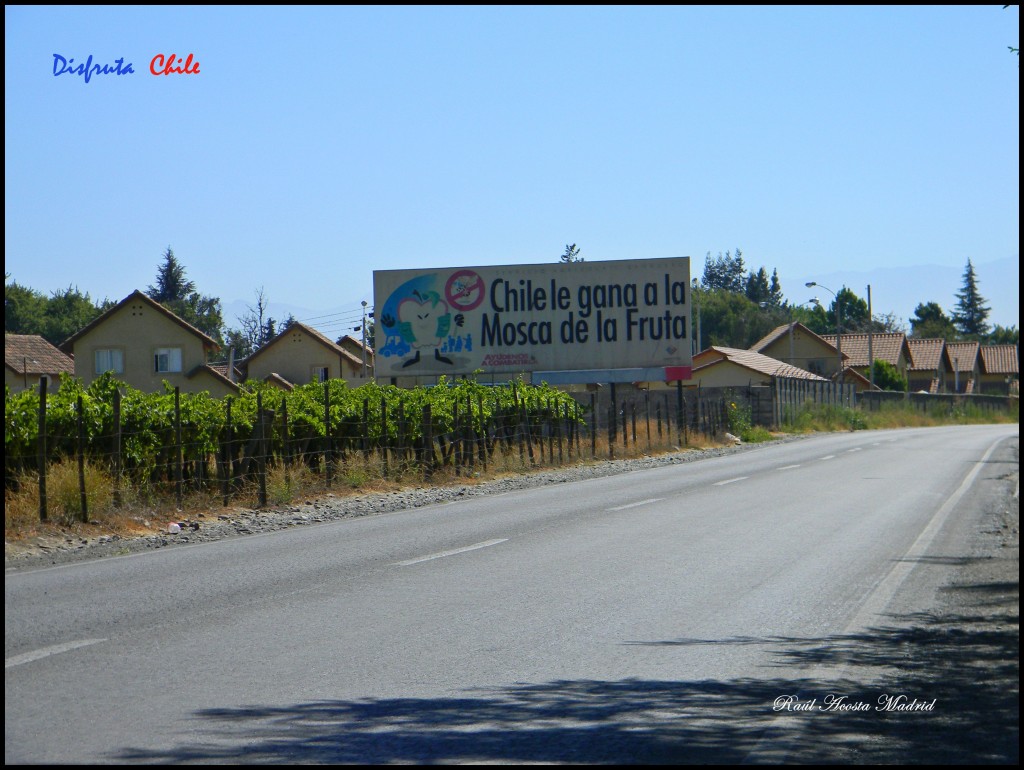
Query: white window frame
{"x": 320, "y": 373}
{"x": 108, "y": 360}
{"x": 170, "y": 358}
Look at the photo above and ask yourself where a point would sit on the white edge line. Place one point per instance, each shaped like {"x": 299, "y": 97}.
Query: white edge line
{"x": 44, "y": 652}
{"x": 827, "y": 457}
{"x": 442, "y": 554}
{"x": 874, "y": 603}
{"x": 729, "y": 481}
{"x": 634, "y": 505}
{"x": 789, "y": 467}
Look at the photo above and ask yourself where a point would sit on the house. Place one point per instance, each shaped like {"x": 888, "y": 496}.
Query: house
{"x": 890, "y": 347}
{"x": 144, "y": 344}
{"x": 798, "y": 346}
{"x": 28, "y": 357}
{"x": 1000, "y": 369}
{"x": 731, "y": 367}
{"x": 930, "y": 369}
{"x": 966, "y": 360}
{"x": 300, "y": 355}
{"x": 356, "y": 348}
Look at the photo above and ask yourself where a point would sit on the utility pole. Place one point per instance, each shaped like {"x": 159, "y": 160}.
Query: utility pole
{"x": 364, "y": 339}
{"x": 871, "y": 352}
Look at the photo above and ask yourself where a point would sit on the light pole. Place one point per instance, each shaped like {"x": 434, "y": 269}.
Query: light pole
{"x": 839, "y": 326}
{"x": 364, "y": 339}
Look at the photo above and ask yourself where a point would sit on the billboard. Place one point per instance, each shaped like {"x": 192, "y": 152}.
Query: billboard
{"x": 511, "y": 319}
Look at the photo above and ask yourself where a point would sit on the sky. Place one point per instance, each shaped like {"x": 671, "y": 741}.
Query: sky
{"x": 845, "y": 145}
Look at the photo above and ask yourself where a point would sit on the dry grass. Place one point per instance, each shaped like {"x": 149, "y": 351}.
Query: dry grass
{"x": 147, "y": 509}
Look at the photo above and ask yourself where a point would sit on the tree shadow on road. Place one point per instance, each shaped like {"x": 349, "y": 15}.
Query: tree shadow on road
{"x": 967, "y": 663}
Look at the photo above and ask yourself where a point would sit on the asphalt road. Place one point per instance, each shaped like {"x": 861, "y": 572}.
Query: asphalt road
{"x": 696, "y": 613}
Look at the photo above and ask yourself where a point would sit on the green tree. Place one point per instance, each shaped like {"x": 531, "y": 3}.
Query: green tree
{"x": 571, "y": 255}
{"x": 24, "y": 309}
{"x": 67, "y": 312}
{"x": 179, "y": 295}
{"x": 888, "y": 377}
{"x": 726, "y": 272}
{"x": 930, "y": 322}
{"x": 853, "y": 314}
{"x": 171, "y": 284}
{"x": 757, "y": 288}
{"x": 1004, "y": 335}
{"x": 775, "y": 289}
{"x": 970, "y": 316}
{"x": 729, "y": 319}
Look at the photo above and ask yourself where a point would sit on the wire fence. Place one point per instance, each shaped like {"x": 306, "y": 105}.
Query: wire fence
{"x": 234, "y": 449}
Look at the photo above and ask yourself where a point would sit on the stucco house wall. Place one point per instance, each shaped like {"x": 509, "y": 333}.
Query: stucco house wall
{"x": 302, "y": 355}
{"x": 144, "y": 344}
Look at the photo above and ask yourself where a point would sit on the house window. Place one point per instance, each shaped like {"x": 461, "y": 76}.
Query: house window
{"x": 816, "y": 366}
{"x": 167, "y": 360}
{"x": 110, "y": 360}
{"x": 320, "y": 374}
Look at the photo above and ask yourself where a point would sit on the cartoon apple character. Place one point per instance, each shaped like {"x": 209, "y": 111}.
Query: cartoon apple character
{"x": 424, "y": 321}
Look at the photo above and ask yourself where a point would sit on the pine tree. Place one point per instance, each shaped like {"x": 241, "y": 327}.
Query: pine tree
{"x": 572, "y": 254}
{"x": 775, "y": 289}
{"x": 971, "y": 314}
{"x": 170, "y": 281}
{"x": 179, "y": 295}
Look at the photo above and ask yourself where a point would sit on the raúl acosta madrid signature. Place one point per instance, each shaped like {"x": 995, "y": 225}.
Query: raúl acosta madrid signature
{"x": 843, "y": 703}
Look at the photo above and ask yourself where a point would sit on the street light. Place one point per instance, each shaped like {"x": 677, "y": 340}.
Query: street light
{"x": 364, "y": 339}
{"x": 839, "y": 325}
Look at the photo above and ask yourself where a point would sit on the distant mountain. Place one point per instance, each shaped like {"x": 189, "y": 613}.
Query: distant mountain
{"x": 900, "y": 290}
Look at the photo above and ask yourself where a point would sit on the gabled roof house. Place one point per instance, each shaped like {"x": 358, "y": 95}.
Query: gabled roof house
{"x": 798, "y": 346}
{"x": 355, "y": 347}
{"x": 966, "y": 360}
{"x": 1000, "y": 369}
{"x": 28, "y": 357}
{"x": 731, "y": 367}
{"x": 300, "y": 354}
{"x": 890, "y": 347}
{"x": 930, "y": 369}
{"x": 144, "y": 344}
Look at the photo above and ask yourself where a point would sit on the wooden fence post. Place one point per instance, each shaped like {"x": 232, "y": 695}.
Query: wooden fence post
{"x": 593, "y": 427}
{"x": 177, "y": 448}
{"x": 228, "y": 465}
{"x": 261, "y": 451}
{"x": 118, "y": 500}
{"x": 83, "y": 502}
{"x": 41, "y": 448}
{"x": 428, "y": 441}
{"x": 284, "y": 440}
{"x": 384, "y": 435}
{"x": 328, "y": 458}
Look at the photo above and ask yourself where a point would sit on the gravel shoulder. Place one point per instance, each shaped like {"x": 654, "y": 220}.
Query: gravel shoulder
{"x": 39, "y": 552}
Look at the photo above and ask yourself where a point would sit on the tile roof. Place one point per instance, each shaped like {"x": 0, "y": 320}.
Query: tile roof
{"x": 69, "y": 343}
{"x": 885, "y": 346}
{"x": 963, "y": 355}
{"x": 28, "y": 354}
{"x": 222, "y": 370}
{"x": 1000, "y": 359}
{"x": 926, "y": 354}
{"x": 752, "y": 360}
{"x": 214, "y": 372}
